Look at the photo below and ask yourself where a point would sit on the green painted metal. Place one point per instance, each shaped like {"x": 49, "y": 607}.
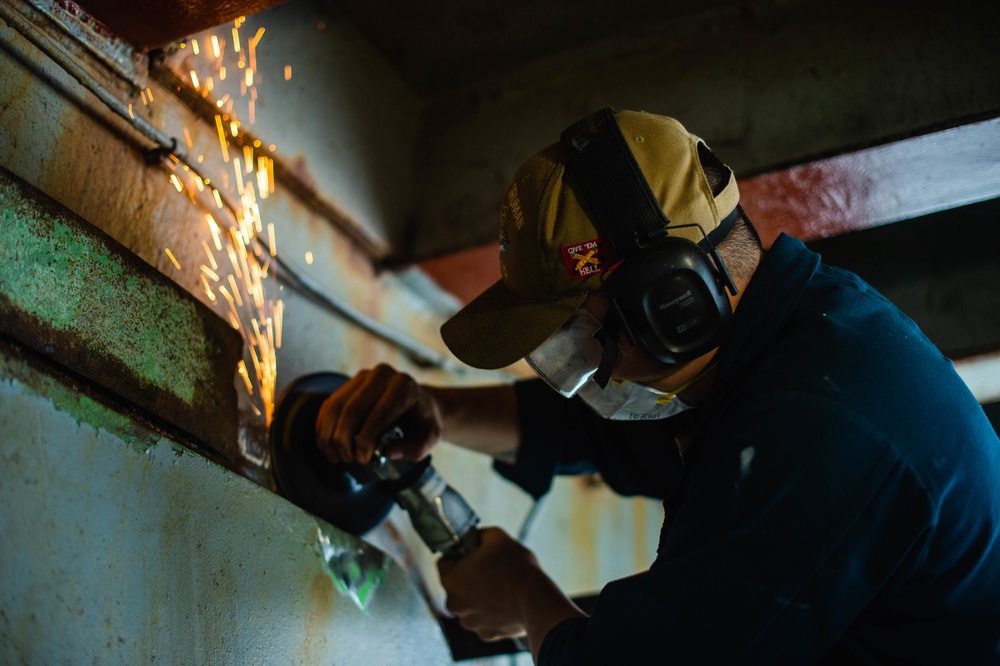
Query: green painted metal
{"x": 72, "y": 293}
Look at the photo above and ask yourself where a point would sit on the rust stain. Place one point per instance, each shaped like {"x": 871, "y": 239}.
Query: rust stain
{"x": 640, "y": 534}
{"x": 320, "y": 615}
{"x": 584, "y": 526}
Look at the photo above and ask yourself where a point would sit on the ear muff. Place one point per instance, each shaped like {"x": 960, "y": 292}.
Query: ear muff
{"x": 668, "y": 294}
{"x": 671, "y": 300}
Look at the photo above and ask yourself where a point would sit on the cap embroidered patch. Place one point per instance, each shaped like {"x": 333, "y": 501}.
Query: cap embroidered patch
{"x": 585, "y": 259}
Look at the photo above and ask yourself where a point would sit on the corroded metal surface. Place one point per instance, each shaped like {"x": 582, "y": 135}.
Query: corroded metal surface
{"x": 147, "y": 23}
{"x": 72, "y": 293}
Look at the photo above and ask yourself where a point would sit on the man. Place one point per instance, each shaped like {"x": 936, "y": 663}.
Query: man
{"x": 832, "y": 489}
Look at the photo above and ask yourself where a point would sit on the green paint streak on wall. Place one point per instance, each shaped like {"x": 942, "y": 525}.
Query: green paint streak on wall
{"x": 75, "y": 283}
{"x": 82, "y": 408}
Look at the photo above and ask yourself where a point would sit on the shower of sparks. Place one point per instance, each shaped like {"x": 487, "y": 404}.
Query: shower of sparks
{"x": 235, "y": 271}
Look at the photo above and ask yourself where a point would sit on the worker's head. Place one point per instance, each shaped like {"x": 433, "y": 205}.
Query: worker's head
{"x": 620, "y": 218}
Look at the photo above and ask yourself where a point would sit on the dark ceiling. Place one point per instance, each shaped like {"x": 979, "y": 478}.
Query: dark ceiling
{"x": 445, "y": 44}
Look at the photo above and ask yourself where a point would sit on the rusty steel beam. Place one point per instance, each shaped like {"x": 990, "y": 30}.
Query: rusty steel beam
{"x": 75, "y": 296}
{"x": 854, "y": 191}
{"x": 867, "y": 188}
{"x": 148, "y": 23}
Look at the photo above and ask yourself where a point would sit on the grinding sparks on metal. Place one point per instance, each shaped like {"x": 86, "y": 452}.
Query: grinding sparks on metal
{"x": 242, "y": 245}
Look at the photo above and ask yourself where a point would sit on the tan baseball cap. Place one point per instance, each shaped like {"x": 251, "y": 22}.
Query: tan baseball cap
{"x": 552, "y": 255}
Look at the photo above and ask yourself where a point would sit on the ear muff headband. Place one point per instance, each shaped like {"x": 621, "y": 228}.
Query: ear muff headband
{"x": 668, "y": 294}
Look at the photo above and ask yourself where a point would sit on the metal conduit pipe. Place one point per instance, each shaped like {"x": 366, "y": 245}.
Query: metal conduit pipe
{"x": 55, "y": 52}
{"x": 167, "y": 145}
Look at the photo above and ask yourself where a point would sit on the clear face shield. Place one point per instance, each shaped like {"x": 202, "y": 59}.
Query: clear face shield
{"x": 571, "y": 355}
{"x": 571, "y": 360}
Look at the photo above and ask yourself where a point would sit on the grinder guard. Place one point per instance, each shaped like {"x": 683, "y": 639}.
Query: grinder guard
{"x": 356, "y": 497}
{"x": 305, "y": 477}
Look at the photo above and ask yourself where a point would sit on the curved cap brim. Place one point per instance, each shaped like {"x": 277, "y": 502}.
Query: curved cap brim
{"x": 499, "y": 327}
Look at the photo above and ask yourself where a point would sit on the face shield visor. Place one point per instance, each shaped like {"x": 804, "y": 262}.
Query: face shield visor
{"x": 571, "y": 355}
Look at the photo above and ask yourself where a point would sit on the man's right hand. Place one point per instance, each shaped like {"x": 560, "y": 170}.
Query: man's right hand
{"x": 351, "y": 420}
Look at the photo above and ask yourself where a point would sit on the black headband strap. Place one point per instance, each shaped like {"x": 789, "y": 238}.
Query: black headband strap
{"x": 613, "y": 185}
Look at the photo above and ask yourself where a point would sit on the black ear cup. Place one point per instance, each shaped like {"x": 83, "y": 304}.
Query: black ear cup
{"x": 671, "y": 300}
{"x": 668, "y": 294}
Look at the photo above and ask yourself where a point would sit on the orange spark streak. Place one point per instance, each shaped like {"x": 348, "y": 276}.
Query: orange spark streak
{"x": 213, "y": 226}
{"x": 256, "y": 38}
{"x": 208, "y": 289}
{"x": 210, "y": 255}
{"x": 222, "y": 138}
{"x": 172, "y": 258}
{"x": 279, "y": 318}
{"x": 242, "y": 369}
{"x": 239, "y": 174}
{"x": 210, "y": 273}
{"x": 236, "y": 290}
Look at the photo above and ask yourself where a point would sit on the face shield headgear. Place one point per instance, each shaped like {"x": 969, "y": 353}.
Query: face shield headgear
{"x": 570, "y": 357}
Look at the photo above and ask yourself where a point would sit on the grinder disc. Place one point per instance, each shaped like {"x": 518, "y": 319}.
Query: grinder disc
{"x": 304, "y": 476}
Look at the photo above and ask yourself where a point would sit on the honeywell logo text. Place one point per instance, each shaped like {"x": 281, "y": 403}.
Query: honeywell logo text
{"x": 682, "y": 300}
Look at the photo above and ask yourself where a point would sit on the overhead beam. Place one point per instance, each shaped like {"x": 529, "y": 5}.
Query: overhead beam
{"x": 769, "y": 86}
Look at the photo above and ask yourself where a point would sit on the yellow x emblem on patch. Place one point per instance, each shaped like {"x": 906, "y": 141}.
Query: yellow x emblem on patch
{"x": 584, "y": 259}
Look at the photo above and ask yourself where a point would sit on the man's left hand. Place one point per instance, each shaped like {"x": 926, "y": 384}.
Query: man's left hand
{"x": 497, "y": 590}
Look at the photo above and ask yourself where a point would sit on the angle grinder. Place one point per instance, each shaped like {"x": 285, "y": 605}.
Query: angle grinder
{"x": 356, "y": 497}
